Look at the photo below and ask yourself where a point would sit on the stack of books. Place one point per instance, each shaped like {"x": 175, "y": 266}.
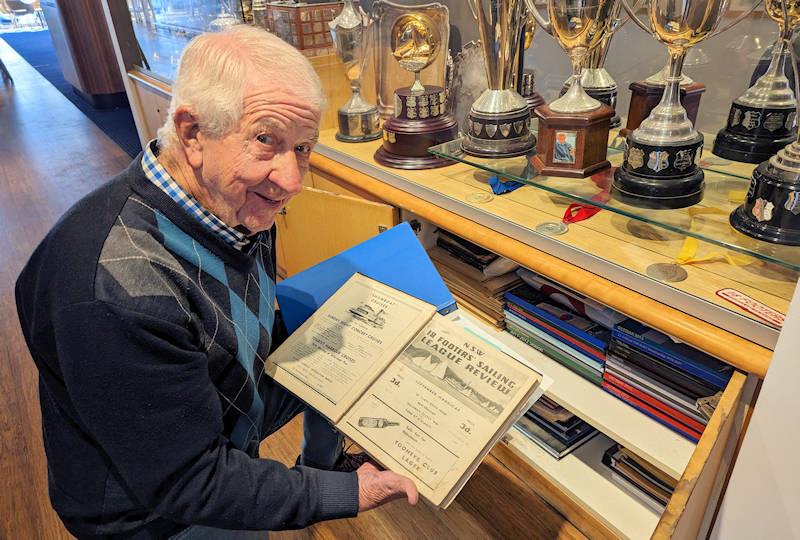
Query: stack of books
{"x": 556, "y": 430}
{"x": 472, "y": 289}
{"x": 558, "y": 331}
{"x": 640, "y": 478}
{"x": 662, "y": 378}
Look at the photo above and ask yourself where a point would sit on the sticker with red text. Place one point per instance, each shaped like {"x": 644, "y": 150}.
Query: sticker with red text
{"x": 753, "y": 306}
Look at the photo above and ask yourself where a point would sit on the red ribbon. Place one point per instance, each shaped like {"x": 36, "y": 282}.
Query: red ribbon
{"x": 580, "y": 211}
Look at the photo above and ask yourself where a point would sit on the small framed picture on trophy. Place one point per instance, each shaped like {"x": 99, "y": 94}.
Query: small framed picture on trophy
{"x": 564, "y": 147}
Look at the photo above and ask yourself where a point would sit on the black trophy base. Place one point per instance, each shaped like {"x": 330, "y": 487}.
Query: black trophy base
{"x": 771, "y": 211}
{"x": 505, "y": 134}
{"x": 738, "y": 147}
{"x": 396, "y": 161}
{"x": 660, "y": 177}
{"x": 747, "y": 225}
{"x": 657, "y": 193}
{"x": 753, "y": 135}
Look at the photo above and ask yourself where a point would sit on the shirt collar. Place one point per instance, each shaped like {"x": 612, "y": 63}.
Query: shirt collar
{"x": 158, "y": 175}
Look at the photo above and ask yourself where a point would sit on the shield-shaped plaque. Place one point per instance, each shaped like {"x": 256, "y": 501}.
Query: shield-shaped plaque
{"x": 792, "y": 203}
{"x": 762, "y": 210}
{"x": 773, "y": 122}
{"x": 751, "y": 119}
{"x": 491, "y": 129}
{"x": 505, "y": 129}
{"x": 658, "y": 160}
{"x": 736, "y": 117}
{"x": 635, "y": 158}
{"x": 683, "y": 159}
{"x": 518, "y": 125}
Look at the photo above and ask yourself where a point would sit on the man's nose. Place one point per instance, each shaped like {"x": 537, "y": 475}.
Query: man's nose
{"x": 287, "y": 174}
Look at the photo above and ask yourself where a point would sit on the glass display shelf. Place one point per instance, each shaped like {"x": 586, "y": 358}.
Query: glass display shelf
{"x": 726, "y": 186}
{"x": 746, "y": 295}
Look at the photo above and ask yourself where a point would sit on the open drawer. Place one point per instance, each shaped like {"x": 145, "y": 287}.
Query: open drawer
{"x": 580, "y": 487}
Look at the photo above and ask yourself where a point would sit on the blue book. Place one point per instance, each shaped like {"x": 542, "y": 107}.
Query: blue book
{"x": 394, "y": 257}
{"x": 678, "y": 355}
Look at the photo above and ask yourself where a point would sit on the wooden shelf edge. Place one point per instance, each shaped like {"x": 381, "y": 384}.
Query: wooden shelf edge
{"x": 737, "y": 351}
{"x": 701, "y": 471}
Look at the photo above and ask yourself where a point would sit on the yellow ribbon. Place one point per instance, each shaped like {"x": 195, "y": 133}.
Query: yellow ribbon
{"x": 688, "y": 252}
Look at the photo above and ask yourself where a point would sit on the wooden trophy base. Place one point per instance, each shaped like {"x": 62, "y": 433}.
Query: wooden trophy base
{"x": 572, "y": 145}
{"x": 645, "y": 96}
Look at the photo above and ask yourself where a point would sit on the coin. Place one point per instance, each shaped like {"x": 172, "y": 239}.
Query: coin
{"x": 669, "y": 272}
{"x": 552, "y": 228}
{"x": 479, "y": 197}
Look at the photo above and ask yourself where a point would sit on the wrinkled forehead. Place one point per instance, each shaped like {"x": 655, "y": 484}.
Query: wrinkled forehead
{"x": 280, "y": 103}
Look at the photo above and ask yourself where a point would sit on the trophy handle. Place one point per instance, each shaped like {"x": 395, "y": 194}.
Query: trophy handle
{"x": 473, "y": 8}
{"x": 546, "y": 25}
{"x": 737, "y": 20}
{"x": 632, "y": 14}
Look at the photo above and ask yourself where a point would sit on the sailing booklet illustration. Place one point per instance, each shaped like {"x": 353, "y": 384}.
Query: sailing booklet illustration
{"x": 421, "y": 395}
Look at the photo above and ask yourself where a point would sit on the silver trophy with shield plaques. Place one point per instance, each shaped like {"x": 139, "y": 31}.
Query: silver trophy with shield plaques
{"x": 499, "y": 120}
{"x": 358, "y": 119}
{"x": 661, "y": 157}
{"x": 762, "y": 120}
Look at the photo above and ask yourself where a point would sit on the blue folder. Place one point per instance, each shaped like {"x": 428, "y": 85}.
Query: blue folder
{"x": 394, "y": 257}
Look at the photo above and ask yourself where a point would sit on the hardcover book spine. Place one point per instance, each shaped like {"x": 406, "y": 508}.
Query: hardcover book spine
{"x": 656, "y": 415}
{"x": 668, "y": 374}
{"x": 653, "y": 402}
{"x": 558, "y": 333}
{"x": 563, "y": 359}
{"x": 542, "y": 314}
{"x": 681, "y": 363}
{"x": 545, "y": 334}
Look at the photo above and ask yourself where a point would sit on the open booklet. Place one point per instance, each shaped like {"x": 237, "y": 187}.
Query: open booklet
{"x": 424, "y": 397}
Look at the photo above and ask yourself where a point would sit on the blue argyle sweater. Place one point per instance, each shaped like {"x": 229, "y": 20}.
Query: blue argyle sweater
{"x": 150, "y": 333}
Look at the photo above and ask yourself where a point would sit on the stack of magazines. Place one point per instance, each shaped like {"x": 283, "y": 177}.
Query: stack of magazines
{"x": 665, "y": 380}
{"x": 556, "y": 430}
{"x": 641, "y": 479}
{"x": 471, "y": 287}
{"x": 558, "y": 330}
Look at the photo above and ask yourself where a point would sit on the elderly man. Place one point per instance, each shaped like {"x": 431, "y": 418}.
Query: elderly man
{"x": 149, "y": 311}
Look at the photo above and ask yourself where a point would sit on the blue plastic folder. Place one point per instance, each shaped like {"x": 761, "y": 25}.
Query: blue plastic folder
{"x": 394, "y": 257}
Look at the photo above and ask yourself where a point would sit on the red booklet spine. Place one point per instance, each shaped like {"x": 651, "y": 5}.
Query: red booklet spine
{"x": 653, "y": 402}
{"x": 652, "y": 412}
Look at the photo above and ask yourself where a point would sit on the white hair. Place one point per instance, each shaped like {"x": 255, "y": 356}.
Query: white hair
{"x": 215, "y": 68}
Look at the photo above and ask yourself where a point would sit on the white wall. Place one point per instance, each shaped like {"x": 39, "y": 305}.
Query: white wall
{"x": 763, "y": 497}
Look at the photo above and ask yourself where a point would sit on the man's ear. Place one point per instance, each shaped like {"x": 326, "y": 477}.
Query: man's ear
{"x": 187, "y": 128}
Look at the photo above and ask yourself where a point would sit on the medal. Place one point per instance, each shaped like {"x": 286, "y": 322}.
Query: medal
{"x": 552, "y": 228}
{"x": 669, "y": 272}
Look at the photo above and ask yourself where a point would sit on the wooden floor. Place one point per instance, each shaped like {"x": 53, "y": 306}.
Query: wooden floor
{"x": 50, "y": 156}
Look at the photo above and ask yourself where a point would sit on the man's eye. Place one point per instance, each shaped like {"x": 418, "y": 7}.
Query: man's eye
{"x": 303, "y": 148}
{"x": 264, "y": 139}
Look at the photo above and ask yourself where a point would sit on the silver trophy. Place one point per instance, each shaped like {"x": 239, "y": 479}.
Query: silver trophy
{"x": 763, "y": 119}
{"x": 499, "y": 120}
{"x": 661, "y": 159}
{"x": 595, "y": 78}
{"x": 358, "y": 120}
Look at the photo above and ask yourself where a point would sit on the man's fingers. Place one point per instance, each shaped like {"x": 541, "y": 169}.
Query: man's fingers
{"x": 402, "y": 485}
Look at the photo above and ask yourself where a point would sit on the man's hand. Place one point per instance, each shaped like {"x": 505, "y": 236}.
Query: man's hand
{"x": 378, "y": 487}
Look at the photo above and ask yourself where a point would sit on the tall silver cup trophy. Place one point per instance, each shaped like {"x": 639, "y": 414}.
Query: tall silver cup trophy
{"x": 499, "y": 120}
{"x": 358, "y": 120}
{"x": 660, "y": 168}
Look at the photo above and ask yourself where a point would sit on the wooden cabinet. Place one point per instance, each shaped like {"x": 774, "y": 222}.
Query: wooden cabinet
{"x": 317, "y": 225}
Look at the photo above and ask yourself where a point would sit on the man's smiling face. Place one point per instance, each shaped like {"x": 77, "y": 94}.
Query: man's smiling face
{"x": 251, "y": 173}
